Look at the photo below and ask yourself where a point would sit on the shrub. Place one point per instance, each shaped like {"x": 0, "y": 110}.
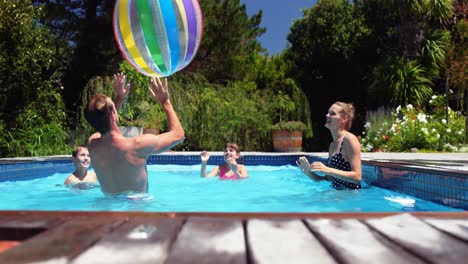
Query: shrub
{"x": 414, "y": 128}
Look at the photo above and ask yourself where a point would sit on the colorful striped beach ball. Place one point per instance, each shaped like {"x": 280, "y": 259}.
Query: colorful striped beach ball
{"x": 158, "y": 37}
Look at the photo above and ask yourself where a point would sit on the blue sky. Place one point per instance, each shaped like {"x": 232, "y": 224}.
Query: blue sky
{"x": 278, "y": 16}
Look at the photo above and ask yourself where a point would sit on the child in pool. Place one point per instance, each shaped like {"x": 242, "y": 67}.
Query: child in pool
{"x": 230, "y": 169}
{"x": 81, "y": 176}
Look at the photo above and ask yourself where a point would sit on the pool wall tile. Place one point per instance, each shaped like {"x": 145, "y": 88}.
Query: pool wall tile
{"x": 22, "y": 171}
{"x": 450, "y": 189}
{"x": 439, "y": 187}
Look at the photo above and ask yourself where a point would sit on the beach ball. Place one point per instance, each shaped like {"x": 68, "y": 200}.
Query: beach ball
{"x": 158, "y": 37}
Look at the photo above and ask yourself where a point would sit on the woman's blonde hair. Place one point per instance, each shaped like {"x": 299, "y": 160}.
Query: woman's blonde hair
{"x": 347, "y": 111}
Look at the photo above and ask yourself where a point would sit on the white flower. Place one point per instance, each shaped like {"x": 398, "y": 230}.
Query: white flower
{"x": 449, "y": 130}
{"x": 398, "y": 109}
{"x": 430, "y": 101}
{"x": 367, "y": 125}
{"x": 422, "y": 118}
{"x": 434, "y": 97}
{"x": 433, "y": 130}
{"x": 424, "y": 130}
{"x": 444, "y": 121}
{"x": 459, "y": 132}
{"x": 409, "y": 107}
{"x": 437, "y": 136}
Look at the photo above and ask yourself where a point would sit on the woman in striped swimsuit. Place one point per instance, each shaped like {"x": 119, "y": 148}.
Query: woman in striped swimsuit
{"x": 343, "y": 167}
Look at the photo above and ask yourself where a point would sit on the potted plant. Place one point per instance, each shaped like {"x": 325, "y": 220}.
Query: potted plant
{"x": 287, "y": 136}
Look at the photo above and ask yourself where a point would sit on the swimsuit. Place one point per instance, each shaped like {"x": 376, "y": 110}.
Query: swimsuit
{"x": 337, "y": 161}
{"x": 223, "y": 176}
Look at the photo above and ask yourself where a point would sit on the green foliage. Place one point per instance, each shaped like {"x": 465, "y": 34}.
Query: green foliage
{"x": 411, "y": 127}
{"x": 287, "y": 101}
{"x": 34, "y": 120}
{"x": 25, "y": 57}
{"x": 229, "y": 45}
{"x": 139, "y": 100}
{"x": 413, "y": 46}
{"x": 329, "y": 30}
{"x": 377, "y": 125}
{"x": 409, "y": 83}
{"x": 289, "y": 125}
{"x": 44, "y": 140}
{"x": 435, "y": 51}
{"x": 215, "y": 114}
{"x": 153, "y": 116}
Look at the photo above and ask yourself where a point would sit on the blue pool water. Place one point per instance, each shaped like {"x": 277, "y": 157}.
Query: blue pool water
{"x": 179, "y": 188}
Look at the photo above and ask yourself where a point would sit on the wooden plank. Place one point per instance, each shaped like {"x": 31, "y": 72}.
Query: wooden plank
{"x": 33, "y": 221}
{"x": 60, "y": 243}
{"x": 350, "y": 241}
{"x": 209, "y": 240}
{"x": 284, "y": 241}
{"x": 422, "y": 239}
{"x": 140, "y": 240}
{"x": 455, "y": 227}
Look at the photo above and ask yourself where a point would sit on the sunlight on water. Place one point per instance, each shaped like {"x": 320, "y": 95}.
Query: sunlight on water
{"x": 179, "y": 188}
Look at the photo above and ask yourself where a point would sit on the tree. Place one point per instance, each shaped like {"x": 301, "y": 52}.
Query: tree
{"x": 286, "y": 95}
{"x": 411, "y": 70}
{"x": 329, "y": 55}
{"x": 457, "y": 69}
{"x": 30, "y": 100}
{"x": 83, "y": 41}
{"x": 229, "y": 42}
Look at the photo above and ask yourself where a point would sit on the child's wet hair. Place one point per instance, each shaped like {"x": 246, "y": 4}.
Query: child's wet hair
{"x": 77, "y": 149}
{"x": 233, "y": 146}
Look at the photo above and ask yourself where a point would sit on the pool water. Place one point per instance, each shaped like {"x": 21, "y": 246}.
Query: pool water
{"x": 179, "y": 188}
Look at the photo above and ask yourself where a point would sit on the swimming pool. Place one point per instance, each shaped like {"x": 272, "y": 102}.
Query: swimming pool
{"x": 175, "y": 186}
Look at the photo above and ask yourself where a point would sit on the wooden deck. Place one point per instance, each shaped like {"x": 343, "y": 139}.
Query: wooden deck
{"x": 138, "y": 237}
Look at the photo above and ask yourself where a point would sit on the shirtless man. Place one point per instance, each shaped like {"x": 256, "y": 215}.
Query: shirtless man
{"x": 120, "y": 162}
{"x": 82, "y": 161}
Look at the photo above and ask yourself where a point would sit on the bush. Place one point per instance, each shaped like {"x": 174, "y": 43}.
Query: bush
{"x": 414, "y": 128}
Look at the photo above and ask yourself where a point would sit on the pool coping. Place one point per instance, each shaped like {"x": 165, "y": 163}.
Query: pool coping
{"x": 452, "y": 161}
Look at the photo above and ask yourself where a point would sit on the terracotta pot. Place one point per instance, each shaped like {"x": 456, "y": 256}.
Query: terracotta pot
{"x": 287, "y": 141}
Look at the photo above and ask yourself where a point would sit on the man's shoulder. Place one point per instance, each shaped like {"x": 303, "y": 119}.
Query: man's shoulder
{"x": 94, "y": 139}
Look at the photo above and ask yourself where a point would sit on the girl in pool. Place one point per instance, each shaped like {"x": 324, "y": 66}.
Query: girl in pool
{"x": 343, "y": 168}
{"x": 230, "y": 170}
